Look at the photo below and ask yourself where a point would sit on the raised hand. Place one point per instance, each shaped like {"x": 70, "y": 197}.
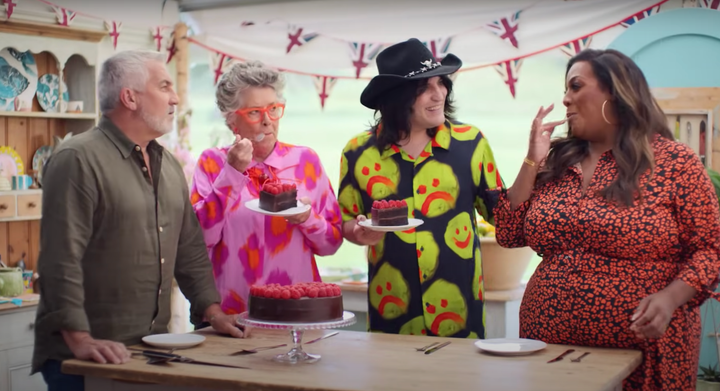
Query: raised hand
{"x": 240, "y": 153}
{"x": 540, "y": 134}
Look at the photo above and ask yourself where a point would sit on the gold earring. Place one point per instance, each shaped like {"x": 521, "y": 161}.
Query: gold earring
{"x": 603, "y": 113}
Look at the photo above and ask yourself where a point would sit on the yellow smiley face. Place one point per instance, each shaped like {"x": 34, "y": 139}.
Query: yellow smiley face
{"x": 378, "y": 177}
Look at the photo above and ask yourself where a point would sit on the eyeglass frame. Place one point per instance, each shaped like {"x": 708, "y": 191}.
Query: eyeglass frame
{"x": 263, "y": 110}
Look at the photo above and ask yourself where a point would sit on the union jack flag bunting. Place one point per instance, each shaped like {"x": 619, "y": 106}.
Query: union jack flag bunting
{"x": 439, "y": 47}
{"x": 298, "y": 36}
{"x": 158, "y": 36}
{"x": 221, "y": 63}
{"x": 64, "y": 16}
{"x": 113, "y": 29}
{"x": 576, "y": 46}
{"x": 324, "y": 85}
{"x": 171, "y": 48}
{"x": 509, "y": 71}
{"x": 640, "y": 16}
{"x": 710, "y": 4}
{"x": 505, "y": 28}
{"x": 9, "y": 7}
{"x": 362, "y": 54}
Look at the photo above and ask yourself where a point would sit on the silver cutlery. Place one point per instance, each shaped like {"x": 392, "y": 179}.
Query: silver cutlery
{"x": 438, "y": 347}
{"x": 580, "y": 358}
{"x": 424, "y": 348}
{"x": 560, "y": 357}
{"x": 255, "y": 350}
{"x": 323, "y": 337}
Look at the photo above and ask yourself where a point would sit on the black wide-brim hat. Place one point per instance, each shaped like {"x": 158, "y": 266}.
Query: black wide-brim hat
{"x": 403, "y": 62}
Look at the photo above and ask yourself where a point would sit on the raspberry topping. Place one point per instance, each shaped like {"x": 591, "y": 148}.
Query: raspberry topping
{"x": 296, "y": 291}
{"x": 385, "y": 204}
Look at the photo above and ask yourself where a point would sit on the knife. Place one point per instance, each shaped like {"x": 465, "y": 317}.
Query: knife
{"x": 161, "y": 358}
{"x": 560, "y": 357}
{"x": 442, "y": 345}
{"x": 323, "y": 337}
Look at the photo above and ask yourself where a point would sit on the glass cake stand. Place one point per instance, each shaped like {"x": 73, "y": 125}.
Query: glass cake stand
{"x": 297, "y": 354}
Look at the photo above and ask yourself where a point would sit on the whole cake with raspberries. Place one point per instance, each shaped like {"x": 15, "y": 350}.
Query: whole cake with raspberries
{"x": 389, "y": 213}
{"x": 297, "y": 303}
{"x": 276, "y": 196}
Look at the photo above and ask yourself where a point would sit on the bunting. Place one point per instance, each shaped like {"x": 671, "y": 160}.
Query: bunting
{"x": 9, "y": 7}
{"x": 220, "y": 63}
{"x": 171, "y": 49}
{"x": 158, "y": 37}
{"x": 439, "y": 47}
{"x": 323, "y": 85}
{"x": 509, "y": 71}
{"x": 298, "y": 37}
{"x": 362, "y": 54}
{"x": 576, "y": 46}
{"x": 710, "y": 4}
{"x": 640, "y": 16}
{"x": 505, "y": 28}
{"x": 113, "y": 29}
{"x": 64, "y": 16}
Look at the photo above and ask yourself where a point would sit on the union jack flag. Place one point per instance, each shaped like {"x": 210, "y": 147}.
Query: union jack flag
{"x": 158, "y": 36}
{"x": 9, "y": 7}
{"x": 362, "y": 54}
{"x": 640, "y": 16}
{"x": 64, "y": 16}
{"x": 298, "y": 37}
{"x": 439, "y": 47}
{"x": 324, "y": 85}
{"x": 221, "y": 63}
{"x": 710, "y": 4}
{"x": 171, "y": 48}
{"x": 113, "y": 29}
{"x": 576, "y": 46}
{"x": 509, "y": 71}
{"x": 505, "y": 28}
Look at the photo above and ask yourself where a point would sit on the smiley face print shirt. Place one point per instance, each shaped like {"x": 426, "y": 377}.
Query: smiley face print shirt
{"x": 427, "y": 280}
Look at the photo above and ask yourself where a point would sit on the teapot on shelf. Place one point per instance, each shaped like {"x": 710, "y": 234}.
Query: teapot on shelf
{"x": 11, "y": 282}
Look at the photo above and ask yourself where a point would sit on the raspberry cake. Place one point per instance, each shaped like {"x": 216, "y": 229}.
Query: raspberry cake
{"x": 298, "y": 303}
{"x": 276, "y": 196}
{"x": 389, "y": 213}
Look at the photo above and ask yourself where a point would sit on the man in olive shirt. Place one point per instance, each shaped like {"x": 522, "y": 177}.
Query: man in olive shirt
{"x": 117, "y": 226}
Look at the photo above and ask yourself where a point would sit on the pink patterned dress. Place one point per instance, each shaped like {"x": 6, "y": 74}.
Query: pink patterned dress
{"x": 248, "y": 248}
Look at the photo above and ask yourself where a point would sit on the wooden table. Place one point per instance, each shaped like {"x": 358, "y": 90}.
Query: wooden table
{"x": 363, "y": 361}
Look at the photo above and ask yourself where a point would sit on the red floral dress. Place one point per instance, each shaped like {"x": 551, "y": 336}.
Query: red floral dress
{"x": 600, "y": 260}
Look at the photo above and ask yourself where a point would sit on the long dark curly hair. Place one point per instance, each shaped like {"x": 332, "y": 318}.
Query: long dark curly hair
{"x": 395, "y": 109}
{"x": 639, "y": 118}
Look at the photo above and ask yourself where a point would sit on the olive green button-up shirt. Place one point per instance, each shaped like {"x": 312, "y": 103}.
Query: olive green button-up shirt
{"x": 113, "y": 236}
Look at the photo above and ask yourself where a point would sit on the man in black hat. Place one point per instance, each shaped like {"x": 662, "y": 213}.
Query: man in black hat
{"x": 424, "y": 279}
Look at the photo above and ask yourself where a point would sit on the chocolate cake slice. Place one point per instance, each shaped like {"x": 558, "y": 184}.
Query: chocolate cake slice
{"x": 276, "y": 197}
{"x": 389, "y": 213}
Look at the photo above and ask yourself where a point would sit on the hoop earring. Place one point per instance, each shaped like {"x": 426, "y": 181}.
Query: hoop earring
{"x": 603, "y": 113}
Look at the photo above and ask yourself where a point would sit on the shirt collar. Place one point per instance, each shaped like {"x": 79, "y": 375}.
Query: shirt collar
{"x": 276, "y": 158}
{"x": 441, "y": 140}
{"x": 121, "y": 141}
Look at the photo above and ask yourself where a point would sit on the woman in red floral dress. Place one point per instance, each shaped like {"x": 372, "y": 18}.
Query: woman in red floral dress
{"x": 626, "y": 221}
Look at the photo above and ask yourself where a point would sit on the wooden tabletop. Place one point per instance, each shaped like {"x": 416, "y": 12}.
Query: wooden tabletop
{"x": 28, "y": 300}
{"x": 360, "y": 361}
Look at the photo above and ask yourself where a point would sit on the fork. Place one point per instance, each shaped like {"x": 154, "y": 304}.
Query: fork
{"x": 580, "y": 358}
{"x": 424, "y": 348}
{"x": 255, "y": 350}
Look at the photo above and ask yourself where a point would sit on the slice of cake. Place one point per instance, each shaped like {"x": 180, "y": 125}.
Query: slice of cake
{"x": 298, "y": 303}
{"x": 389, "y": 213}
{"x": 276, "y": 196}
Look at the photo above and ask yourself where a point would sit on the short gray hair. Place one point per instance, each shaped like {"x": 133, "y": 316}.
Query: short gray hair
{"x": 241, "y": 76}
{"x": 127, "y": 69}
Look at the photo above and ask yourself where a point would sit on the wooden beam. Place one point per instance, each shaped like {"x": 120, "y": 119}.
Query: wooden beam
{"x": 181, "y": 65}
{"x": 51, "y": 31}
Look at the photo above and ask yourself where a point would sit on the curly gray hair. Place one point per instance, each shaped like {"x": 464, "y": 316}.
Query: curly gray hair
{"x": 240, "y": 77}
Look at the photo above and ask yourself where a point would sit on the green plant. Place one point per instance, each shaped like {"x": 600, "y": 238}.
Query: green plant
{"x": 715, "y": 178}
{"x": 710, "y": 374}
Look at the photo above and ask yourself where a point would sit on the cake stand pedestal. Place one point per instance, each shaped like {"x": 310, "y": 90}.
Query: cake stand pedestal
{"x": 297, "y": 354}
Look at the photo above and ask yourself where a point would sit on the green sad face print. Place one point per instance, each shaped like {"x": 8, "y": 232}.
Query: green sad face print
{"x": 351, "y": 201}
{"x": 459, "y": 235}
{"x": 436, "y": 189}
{"x": 378, "y": 177}
{"x": 427, "y": 253}
{"x": 464, "y": 132}
{"x": 445, "y": 308}
{"x": 416, "y": 326}
{"x": 489, "y": 171}
{"x": 389, "y": 292}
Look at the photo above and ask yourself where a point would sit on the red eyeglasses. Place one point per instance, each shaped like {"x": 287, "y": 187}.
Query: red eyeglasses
{"x": 254, "y": 115}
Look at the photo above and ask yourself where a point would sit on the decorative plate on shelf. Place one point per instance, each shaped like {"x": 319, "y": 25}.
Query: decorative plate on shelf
{"x": 10, "y": 162}
{"x": 41, "y": 156}
{"x": 48, "y": 93}
{"x": 18, "y": 80}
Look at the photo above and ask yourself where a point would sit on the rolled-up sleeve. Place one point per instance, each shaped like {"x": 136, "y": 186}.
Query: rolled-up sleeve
{"x": 68, "y": 204}
{"x": 193, "y": 270}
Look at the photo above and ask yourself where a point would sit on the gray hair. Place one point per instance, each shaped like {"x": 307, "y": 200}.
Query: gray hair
{"x": 127, "y": 69}
{"x": 241, "y": 76}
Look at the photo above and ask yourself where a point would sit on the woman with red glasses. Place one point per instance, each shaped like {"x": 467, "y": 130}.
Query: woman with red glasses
{"x": 248, "y": 248}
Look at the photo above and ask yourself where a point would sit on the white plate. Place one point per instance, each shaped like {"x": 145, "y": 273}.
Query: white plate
{"x": 254, "y": 205}
{"x": 412, "y": 223}
{"x": 510, "y": 346}
{"x": 173, "y": 340}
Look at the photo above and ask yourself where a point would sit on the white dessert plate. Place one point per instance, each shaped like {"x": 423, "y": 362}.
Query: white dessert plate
{"x": 170, "y": 341}
{"x": 510, "y": 346}
{"x": 254, "y": 205}
{"x": 412, "y": 223}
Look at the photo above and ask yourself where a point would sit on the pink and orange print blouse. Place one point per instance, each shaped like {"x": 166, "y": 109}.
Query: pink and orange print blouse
{"x": 248, "y": 248}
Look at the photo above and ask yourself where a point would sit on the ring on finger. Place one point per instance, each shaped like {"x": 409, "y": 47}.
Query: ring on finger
{"x": 545, "y": 133}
